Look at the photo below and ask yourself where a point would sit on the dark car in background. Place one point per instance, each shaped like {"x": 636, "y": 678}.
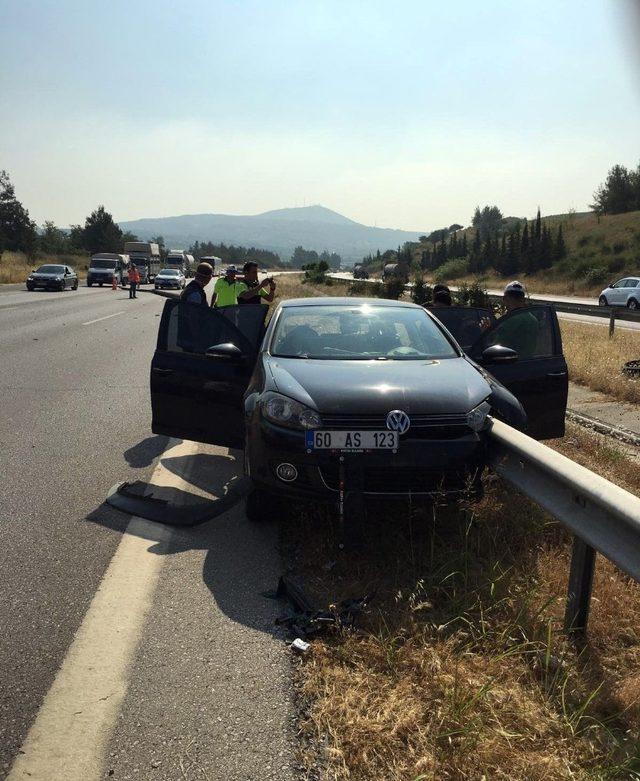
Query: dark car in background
{"x": 379, "y": 388}
{"x": 53, "y": 277}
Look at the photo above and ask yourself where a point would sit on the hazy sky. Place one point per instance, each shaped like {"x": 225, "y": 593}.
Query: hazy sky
{"x": 406, "y": 114}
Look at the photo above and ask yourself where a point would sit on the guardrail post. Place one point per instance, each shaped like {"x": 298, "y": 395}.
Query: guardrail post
{"x": 583, "y": 559}
{"x": 612, "y": 322}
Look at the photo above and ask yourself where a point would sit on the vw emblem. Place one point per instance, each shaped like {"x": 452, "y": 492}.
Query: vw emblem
{"x": 399, "y": 421}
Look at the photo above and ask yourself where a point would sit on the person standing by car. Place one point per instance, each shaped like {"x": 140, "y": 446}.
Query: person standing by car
{"x": 194, "y": 292}
{"x": 134, "y": 280}
{"x": 229, "y": 290}
{"x": 441, "y": 296}
{"x": 260, "y": 294}
{"x": 518, "y": 333}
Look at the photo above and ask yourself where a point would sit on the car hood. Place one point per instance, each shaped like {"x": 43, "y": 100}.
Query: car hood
{"x": 47, "y": 276}
{"x": 424, "y": 387}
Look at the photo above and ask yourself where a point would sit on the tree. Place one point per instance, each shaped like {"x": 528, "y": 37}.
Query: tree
{"x": 100, "y": 233}
{"x": 159, "y": 240}
{"x": 17, "y": 230}
{"x": 619, "y": 193}
{"x": 559, "y": 247}
{"x": 488, "y": 221}
{"x": 52, "y": 240}
{"x": 455, "y": 227}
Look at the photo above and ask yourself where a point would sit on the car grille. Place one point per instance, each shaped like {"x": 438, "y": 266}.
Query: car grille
{"x": 422, "y": 426}
{"x": 394, "y": 480}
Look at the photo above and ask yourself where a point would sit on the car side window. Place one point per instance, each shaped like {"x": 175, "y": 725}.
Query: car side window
{"x": 194, "y": 329}
{"x": 528, "y": 331}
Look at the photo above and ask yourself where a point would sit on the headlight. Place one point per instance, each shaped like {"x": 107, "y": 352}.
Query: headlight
{"x": 477, "y": 418}
{"x": 287, "y": 412}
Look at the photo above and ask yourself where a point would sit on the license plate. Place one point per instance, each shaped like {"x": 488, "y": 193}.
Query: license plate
{"x": 353, "y": 441}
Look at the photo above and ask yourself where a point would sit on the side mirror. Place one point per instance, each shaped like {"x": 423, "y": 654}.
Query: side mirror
{"x": 227, "y": 351}
{"x": 499, "y": 354}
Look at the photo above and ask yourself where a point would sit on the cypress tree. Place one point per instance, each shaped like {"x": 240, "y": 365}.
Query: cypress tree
{"x": 465, "y": 249}
{"x": 538, "y": 230}
{"x": 560, "y": 248}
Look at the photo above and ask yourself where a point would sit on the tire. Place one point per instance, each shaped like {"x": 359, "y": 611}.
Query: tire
{"x": 632, "y": 304}
{"x": 602, "y": 301}
{"x": 30, "y": 288}
{"x": 100, "y": 284}
{"x": 262, "y": 506}
{"x": 89, "y": 284}
{"x": 63, "y": 287}
{"x": 75, "y": 285}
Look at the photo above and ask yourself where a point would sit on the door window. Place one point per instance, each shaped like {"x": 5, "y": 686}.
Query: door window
{"x": 194, "y": 329}
{"x": 463, "y": 322}
{"x": 530, "y": 332}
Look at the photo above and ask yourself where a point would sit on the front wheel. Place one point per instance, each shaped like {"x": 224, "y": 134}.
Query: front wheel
{"x": 602, "y": 301}
{"x": 100, "y": 284}
{"x": 75, "y": 285}
{"x": 89, "y": 284}
{"x": 30, "y": 288}
{"x": 262, "y": 506}
{"x": 632, "y": 304}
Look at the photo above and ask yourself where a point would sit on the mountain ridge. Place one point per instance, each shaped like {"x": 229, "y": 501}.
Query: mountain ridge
{"x": 279, "y": 230}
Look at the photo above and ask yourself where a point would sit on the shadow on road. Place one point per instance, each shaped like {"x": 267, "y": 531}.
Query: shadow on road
{"x": 241, "y": 560}
{"x": 145, "y": 452}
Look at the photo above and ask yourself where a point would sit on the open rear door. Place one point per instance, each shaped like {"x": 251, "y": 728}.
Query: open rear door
{"x": 539, "y": 377}
{"x": 196, "y": 394}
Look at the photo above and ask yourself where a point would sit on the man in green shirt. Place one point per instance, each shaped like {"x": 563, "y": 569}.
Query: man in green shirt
{"x": 520, "y": 331}
{"x": 228, "y": 290}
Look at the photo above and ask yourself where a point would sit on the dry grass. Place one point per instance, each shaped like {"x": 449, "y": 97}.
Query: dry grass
{"x": 596, "y": 361}
{"x": 461, "y": 670}
{"x": 16, "y": 266}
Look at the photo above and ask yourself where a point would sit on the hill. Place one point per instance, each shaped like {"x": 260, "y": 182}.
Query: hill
{"x": 281, "y": 231}
{"x": 598, "y": 250}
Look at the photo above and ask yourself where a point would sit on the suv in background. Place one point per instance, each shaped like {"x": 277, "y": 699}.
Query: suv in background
{"x": 624, "y": 292}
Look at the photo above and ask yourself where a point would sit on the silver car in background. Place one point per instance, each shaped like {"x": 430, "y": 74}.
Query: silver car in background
{"x": 170, "y": 278}
{"x": 624, "y": 292}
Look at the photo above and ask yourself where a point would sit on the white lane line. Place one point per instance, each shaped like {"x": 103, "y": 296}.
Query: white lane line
{"x": 69, "y": 738}
{"x": 106, "y": 317}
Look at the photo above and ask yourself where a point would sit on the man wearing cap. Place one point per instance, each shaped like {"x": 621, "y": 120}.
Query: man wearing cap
{"x": 518, "y": 333}
{"x": 194, "y": 291}
{"x": 228, "y": 290}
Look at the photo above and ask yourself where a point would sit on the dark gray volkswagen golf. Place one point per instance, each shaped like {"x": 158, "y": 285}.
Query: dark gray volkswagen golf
{"x": 355, "y": 394}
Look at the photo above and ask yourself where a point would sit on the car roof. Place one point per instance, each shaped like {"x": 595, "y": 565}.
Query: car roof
{"x": 346, "y": 301}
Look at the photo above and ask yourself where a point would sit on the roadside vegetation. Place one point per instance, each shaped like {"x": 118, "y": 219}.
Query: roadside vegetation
{"x": 596, "y": 361}
{"x": 16, "y": 266}
{"x": 460, "y": 668}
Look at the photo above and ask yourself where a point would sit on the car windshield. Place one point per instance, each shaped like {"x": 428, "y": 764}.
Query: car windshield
{"x": 100, "y": 263}
{"x": 169, "y": 272}
{"x": 50, "y": 270}
{"x": 362, "y": 332}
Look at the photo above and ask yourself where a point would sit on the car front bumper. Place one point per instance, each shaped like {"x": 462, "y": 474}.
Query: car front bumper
{"x": 446, "y": 468}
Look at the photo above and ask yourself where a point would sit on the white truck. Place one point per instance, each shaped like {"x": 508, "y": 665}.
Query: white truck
{"x": 104, "y": 266}
{"x": 146, "y": 256}
{"x": 178, "y": 258}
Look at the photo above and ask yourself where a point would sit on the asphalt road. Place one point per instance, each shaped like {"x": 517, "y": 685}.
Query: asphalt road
{"x": 201, "y": 683}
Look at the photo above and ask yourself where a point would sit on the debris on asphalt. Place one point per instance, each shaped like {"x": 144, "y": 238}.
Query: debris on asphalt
{"x": 304, "y": 620}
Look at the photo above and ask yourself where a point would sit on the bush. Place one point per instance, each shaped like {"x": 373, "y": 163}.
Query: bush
{"x": 618, "y": 247}
{"x": 616, "y": 264}
{"x": 452, "y": 269}
{"x": 361, "y": 288}
{"x": 583, "y": 241}
{"x": 597, "y": 275}
{"x": 392, "y": 288}
{"x": 421, "y": 293}
{"x": 474, "y": 294}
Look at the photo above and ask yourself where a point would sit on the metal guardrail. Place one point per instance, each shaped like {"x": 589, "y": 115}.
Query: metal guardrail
{"x": 602, "y": 516}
